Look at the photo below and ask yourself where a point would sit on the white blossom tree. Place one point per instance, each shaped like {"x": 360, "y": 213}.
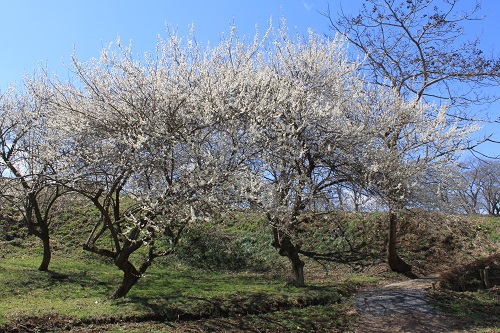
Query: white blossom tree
{"x": 189, "y": 132}
{"x": 405, "y": 147}
{"x": 418, "y": 49}
{"x": 27, "y": 171}
{"x": 304, "y": 88}
{"x": 155, "y": 132}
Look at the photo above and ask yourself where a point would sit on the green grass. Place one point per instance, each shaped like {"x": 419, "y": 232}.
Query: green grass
{"x": 226, "y": 276}
{"x": 492, "y": 225}
{"x": 478, "y": 310}
{"x": 327, "y": 318}
{"x": 31, "y": 293}
{"x": 164, "y": 293}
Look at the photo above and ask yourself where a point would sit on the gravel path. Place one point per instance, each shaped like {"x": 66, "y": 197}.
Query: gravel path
{"x": 402, "y": 307}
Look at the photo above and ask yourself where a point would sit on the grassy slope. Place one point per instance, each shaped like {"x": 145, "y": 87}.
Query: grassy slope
{"x": 344, "y": 252}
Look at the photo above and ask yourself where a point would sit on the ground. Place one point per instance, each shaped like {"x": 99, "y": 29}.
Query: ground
{"x": 403, "y": 307}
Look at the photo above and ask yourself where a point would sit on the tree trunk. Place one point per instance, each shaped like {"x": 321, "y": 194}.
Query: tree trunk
{"x": 297, "y": 269}
{"x": 395, "y": 262}
{"x": 44, "y": 235}
{"x": 130, "y": 278}
{"x": 287, "y": 249}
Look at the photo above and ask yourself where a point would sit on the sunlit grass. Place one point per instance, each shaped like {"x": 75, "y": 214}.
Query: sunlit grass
{"x": 165, "y": 292}
{"x": 31, "y": 293}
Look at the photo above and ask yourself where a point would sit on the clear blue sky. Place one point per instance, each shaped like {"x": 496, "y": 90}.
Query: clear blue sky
{"x": 49, "y": 31}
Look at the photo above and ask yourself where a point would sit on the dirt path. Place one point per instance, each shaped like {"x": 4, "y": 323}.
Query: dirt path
{"x": 402, "y": 307}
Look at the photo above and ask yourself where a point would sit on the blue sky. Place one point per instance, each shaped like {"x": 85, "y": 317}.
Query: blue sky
{"x": 50, "y": 31}
{"x": 33, "y": 31}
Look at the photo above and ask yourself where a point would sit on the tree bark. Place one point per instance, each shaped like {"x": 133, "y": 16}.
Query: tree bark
{"x": 287, "y": 249}
{"x": 130, "y": 277}
{"x": 47, "y": 254}
{"x": 297, "y": 269}
{"x": 395, "y": 262}
{"x": 38, "y": 225}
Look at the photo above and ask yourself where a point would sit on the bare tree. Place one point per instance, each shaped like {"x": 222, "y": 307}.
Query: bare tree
{"x": 489, "y": 174}
{"x": 469, "y": 192}
{"x": 417, "y": 47}
{"x": 479, "y": 192}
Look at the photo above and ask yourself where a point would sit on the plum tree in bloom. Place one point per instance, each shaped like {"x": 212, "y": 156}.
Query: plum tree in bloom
{"x": 156, "y": 131}
{"x": 28, "y": 172}
{"x": 404, "y": 147}
{"x": 419, "y": 49}
{"x": 304, "y": 89}
{"x": 188, "y": 132}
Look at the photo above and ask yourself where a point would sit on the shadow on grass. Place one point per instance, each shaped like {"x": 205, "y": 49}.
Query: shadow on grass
{"x": 177, "y": 306}
{"x": 331, "y": 318}
{"x": 476, "y": 310}
{"x": 104, "y": 288}
{"x": 354, "y": 257}
{"x": 326, "y": 318}
{"x": 230, "y": 301}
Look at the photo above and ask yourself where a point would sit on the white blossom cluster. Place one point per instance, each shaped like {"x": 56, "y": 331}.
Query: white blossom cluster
{"x": 273, "y": 123}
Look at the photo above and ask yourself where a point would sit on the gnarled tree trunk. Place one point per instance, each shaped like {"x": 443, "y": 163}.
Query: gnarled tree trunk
{"x": 128, "y": 281}
{"x": 297, "y": 268}
{"x": 287, "y": 249}
{"x": 38, "y": 225}
{"x": 130, "y": 277}
{"x": 130, "y": 274}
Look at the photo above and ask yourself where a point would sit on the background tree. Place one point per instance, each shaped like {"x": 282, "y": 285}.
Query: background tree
{"x": 479, "y": 190}
{"x": 489, "y": 173}
{"x": 401, "y": 145}
{"x": 417, "y": 48}
{"x": 471, "y": 183}
{"x": 28, "y": 171}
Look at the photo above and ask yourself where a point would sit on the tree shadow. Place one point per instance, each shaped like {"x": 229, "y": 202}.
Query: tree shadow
{"x": 417, "y": 310}
{"x": 180, "y": 307}
{"x": 474, "y": 309}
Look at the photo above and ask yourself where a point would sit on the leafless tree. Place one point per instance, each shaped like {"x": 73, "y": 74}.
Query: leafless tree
{"x": 490, "y": 190}
{"x": 417, "y": 47}
{"x": 470, "y": 187}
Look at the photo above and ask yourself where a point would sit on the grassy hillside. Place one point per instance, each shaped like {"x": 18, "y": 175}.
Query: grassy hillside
{"x": 225, "y": 275}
